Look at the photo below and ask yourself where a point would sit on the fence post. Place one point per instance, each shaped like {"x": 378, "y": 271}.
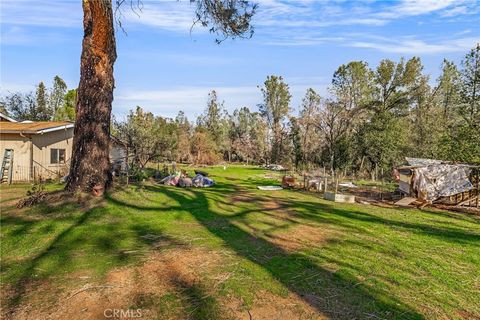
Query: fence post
{"x": 478, "y": 185}
{"x": 127, "y": 163}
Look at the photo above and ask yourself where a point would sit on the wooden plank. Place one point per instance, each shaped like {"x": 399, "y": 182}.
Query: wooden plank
{"x": 404, "y": 202}
{"x": 336, "y": 197}
{"x": 467, "y": 201}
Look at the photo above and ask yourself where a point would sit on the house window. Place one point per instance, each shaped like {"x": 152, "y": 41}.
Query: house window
{"x": 57, "y": 156}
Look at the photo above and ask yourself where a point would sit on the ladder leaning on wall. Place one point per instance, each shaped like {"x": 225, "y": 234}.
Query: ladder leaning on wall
{"x": 7, "y": 167}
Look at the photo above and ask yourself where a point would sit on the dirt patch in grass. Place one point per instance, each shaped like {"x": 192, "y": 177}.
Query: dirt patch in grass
{"x": 245, "y": 198}
{"x": 299, "y": 237}
{"x": 176, "y": 283}
{"x": 266, "y": 203}
{"x": 270, "y": 306}
{"x": 468, "y": 315}
{"x": 273, "y": 204}
{"x": 299, "y": 233}
{"x": 9, "y": 203}
{"x": 165, "y": 273}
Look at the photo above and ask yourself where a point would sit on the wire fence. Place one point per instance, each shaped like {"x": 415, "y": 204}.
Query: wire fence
{"x": 38, "y": 172}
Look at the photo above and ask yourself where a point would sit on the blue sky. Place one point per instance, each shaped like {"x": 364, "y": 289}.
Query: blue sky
{"x": 165, "y": 68}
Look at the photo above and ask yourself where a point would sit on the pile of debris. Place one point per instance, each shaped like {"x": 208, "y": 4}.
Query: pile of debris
{"x": 181, "y": 179}
{"x": 275, "y": 167}
{"x": 288, "y": 182}
{"x": 429, "y": 180}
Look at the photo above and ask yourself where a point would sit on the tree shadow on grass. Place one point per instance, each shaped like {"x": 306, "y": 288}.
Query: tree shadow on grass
{"x": 90, "y": 238}
{"x": 335, "y": 295}
{"x": 358, "y": 220}
{"x": 353, "y": 219}
{"x": 445, "y": 233}
{"x": 286, "y": 266}
{"x": 181, "y": 296}
{"x": 198, "y": 303}
{"x": 28, "y": 269}
{"x": 310, "y": 211}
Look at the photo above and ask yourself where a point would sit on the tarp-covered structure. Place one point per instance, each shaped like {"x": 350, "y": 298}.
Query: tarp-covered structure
{"x": 429, "y": 179}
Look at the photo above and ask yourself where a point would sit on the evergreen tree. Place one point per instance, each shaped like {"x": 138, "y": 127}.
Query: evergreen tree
{"x": 310, "y": 139}
{"x": 42, "y": 110}
{"x": 56, "y": 99}
{"x": 275, "y": 107}
{"x": 216, "y": 122}
{"x": 448, "y": 92}
{"x": 67, "y": 111}
{"x": 184, "y": 138}
{"x": 469, "y": 107}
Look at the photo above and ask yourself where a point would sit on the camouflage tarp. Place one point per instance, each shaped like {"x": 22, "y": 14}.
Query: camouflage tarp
{"x": 432, "y": 179}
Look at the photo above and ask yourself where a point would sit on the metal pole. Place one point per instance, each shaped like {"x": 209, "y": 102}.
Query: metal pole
{"x": 127, "y": 163}
{"x": 324, "y": 180}
{"x": 478, "y": 185}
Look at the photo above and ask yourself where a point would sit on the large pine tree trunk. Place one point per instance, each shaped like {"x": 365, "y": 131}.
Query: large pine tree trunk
{"x": 90, "y": 165}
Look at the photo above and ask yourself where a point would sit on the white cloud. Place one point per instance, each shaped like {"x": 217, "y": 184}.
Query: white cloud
{"x": 41, "y": 13}
{"x": 22, "y": 36}
{"x": 178, "y": 15}
{"x": 460, "y": 10}
{"x": 181, "y": 58}
{"x": 6, "y": 88}
{"x": 310, "y": 23}
{"x": 306, "y": 13}
{"x": 278, "y": 22}
{"x": 414, "y": 46}
{"x": 172, "y": 15}
{"x": 15, "y": 35}
{"x": 300, "y": 40}
{"x": 193, "y": 99}
{"x": 418, "y": 7}
{"x": 190, "y": 99}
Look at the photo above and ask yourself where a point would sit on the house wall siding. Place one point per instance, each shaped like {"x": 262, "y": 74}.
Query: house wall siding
{"x": 118, "y": 155}
{"x": 41, "y": 145}
{"x": 21, "y": 154}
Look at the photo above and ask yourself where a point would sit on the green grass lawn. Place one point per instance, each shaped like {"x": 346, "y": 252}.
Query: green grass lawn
{"x": 345, "y": 261}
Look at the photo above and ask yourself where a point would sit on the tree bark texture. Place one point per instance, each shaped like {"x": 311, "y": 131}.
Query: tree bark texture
{"x": 90, "y": 163}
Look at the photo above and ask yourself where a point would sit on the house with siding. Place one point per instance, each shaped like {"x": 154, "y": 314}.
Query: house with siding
{"x": 41, "y": 150}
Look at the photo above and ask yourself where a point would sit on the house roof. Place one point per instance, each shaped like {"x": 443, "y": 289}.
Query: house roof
{"x": 7, "y": 118}
{"x": 34, "y": 127}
